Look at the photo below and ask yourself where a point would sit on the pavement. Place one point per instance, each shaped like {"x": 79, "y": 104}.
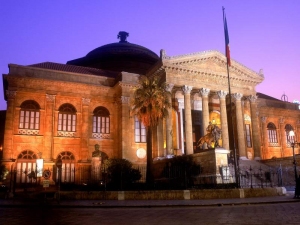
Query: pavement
{"x": 19, "y": 202}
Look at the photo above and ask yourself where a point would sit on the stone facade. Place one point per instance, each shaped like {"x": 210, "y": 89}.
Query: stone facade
{"x": 200, "y": 94}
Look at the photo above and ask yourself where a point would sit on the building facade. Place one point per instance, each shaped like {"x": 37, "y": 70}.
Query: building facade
{"x": 62, "y": 111}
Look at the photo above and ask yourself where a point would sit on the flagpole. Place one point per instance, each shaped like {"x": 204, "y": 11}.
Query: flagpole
{"x": 230, "y": 103}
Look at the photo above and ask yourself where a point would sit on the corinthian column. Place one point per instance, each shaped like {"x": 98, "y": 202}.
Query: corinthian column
{"x": 9, "y": 126}
{"x": 169, "y": 130}
{"x": 188, "y": 119}
{"x": 240, "y": 125}
{"x": 205, "y": 110}
{"x": 224, "y": 124}
{"x": 255, "y": 128}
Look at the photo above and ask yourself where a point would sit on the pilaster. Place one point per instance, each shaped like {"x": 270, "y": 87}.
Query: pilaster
{"x": 8, "y": 133}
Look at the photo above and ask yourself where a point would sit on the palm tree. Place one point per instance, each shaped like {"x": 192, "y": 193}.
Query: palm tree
{"x": 150, "y": 103}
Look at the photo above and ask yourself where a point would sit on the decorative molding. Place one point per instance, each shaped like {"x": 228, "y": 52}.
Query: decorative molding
{"x": 66, "y": 134}
{"x": 101, "y": 136}
{"x": 263, "y": 119}
{"x": 86, "y": 101}
{"x": 274, "y": 145}
{"x": 187, "y": 89}
{"x": 204, "y": 92}
{"x": 28, "y": 132}
{"x": 237, "y": 96}
{"x": 222, "y": 94}
{"x": 50, "y": 98}
{"x": 10, "y": 94}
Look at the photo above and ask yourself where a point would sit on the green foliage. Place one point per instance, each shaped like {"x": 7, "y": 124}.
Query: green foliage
{"x": 121, "y": 174}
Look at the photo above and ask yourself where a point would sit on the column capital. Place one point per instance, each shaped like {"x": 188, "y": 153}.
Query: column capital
{"x": 10, "y": 94}
{"x": 222, "y": 94}
{"x": 281, "y": 120}
{"x": 263, "y": 119}
{"x": 169, "y": 87}
{"x": 187, "y": 89}
{"x": 252, "y": 98}
{"x": 86, "y": 101}
{"x": 124, "y": 99}
{"x": 204, "y": 92}
{"x": 50, "y": 98}
{"x": 237, "y": 96}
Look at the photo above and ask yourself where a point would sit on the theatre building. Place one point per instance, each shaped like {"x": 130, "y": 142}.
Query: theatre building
{"x": 61, "y": 111}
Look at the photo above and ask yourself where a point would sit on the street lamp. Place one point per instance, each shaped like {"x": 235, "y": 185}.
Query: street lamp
{"x": 59, "y": 166}
{"x": 293, "y": 143}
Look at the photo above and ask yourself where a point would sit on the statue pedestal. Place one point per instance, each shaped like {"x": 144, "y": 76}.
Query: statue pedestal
{"x": 96, "y": 169}
{"x": 214, "y": 164}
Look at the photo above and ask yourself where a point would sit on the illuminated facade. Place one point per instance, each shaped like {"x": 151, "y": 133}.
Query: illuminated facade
{"x": 61, "y": 111}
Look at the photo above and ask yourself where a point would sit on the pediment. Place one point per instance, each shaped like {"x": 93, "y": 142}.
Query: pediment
{"x": 212, "y": 62}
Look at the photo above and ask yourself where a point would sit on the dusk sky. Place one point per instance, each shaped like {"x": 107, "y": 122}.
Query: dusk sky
{"x": 264, "y": 34}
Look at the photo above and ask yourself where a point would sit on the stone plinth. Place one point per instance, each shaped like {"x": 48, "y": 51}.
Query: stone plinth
{"x": 214, "y": 164}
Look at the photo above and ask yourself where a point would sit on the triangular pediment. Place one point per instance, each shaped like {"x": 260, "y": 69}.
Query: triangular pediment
{"x": 212, "y": 62}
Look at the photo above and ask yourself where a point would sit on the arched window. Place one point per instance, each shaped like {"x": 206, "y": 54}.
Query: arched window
{"x": 67, "y": 118}
{"x": 289, "y": 139}
{"x": 26, "y": 166}
{"x": 140, "y": 131}
{"x": 68, "y": 167}
{"x": 272, "y": 134}
{"x": 30, "y": 115}
{"x": 101, "y": 122}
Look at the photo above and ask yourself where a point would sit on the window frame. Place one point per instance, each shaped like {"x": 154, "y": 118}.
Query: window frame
{"x": 29, "y": 116}
{"x": 272, "y": 133}
{"x": 101, "y": 120}
{"x": 67, "y": 118}
{"x": 140, "y": 133}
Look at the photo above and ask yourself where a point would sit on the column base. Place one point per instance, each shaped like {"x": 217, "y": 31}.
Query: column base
{"x": 243, "y": 158}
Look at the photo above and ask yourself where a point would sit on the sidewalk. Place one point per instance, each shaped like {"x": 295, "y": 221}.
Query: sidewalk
{"x": 147, "y": 203}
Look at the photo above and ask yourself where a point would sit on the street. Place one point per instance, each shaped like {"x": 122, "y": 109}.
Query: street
{"x": 264, "y": 214}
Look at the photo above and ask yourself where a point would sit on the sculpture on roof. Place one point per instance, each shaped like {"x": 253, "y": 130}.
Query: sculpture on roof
{"x": 123, "y": 36}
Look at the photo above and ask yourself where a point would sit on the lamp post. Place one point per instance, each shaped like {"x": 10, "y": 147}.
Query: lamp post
{"x": 59, "y": 166}
{"x": 293, "y": 143}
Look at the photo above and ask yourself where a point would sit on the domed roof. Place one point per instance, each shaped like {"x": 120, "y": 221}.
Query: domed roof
{"x": 120, "y": 56}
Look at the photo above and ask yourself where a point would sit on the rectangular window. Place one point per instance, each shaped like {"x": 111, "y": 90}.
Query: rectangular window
{"x": 140, "y": 131}
{"x": 272, "y": 136}
{"x": 248, "y": 136}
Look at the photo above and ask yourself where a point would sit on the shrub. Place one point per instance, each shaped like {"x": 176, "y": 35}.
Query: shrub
{"x": 121, "y": 174}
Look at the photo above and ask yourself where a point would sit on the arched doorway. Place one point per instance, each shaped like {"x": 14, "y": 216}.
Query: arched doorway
{"x": 26, "y": 167}
{"x": 68, "y": 167}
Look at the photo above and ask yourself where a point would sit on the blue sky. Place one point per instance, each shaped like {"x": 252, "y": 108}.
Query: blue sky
{"x": 263, "y": 34}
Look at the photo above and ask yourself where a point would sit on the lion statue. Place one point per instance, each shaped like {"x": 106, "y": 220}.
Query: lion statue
{"x": 211, "y": 138}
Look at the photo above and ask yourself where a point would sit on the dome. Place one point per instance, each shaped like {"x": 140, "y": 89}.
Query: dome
{"x": 120, "y": 56}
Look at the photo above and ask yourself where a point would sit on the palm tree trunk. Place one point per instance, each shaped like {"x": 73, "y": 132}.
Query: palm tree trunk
{"x": 149, "y": 173}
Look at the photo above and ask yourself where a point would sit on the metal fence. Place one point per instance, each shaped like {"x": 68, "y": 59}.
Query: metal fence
{"x": 170, "y": 177}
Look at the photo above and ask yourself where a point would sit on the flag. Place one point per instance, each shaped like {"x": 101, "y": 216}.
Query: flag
{"x": 227, "y": 49}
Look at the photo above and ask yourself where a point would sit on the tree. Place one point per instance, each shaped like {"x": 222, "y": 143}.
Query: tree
{"x": 150, "y": 103}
